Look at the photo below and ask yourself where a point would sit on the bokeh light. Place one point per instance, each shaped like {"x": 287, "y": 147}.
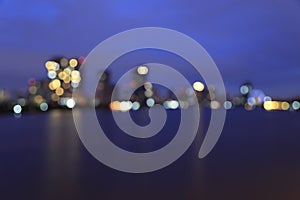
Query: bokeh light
{"x": 38, "y": 99}
{"x": 296, "y": 105}
{"x": 54, "y": 84}
{"x": 285, "y": 105}
{"x": 142, "y": 70}
{"x": 70, "y": 103}
{"x": 215, "y": 105}
{"x": 17, "y": 109}
{"x": 73, "y": 62}
{"x": 198, "y": 86}
{"x": 62, "y": 75}
{"x": 244, "y": 89}
{"x": 115, "y": 105}
{"x": 125, "y": 106}
{"x": 227, "y": 105}
{"x": 150, "y": 102}
{"x": 51, "y": 74}
{"x": 59, "y": 91}
{"x": 52, "y": 66}
{"x": 44, "y": 106}
{"x": 136, "y": 105}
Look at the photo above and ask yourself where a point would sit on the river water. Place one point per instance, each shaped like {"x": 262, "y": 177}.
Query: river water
{"x": 256, "y": 157}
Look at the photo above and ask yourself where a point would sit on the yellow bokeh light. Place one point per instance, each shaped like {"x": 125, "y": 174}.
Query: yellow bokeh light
{"x": 115, "y": 105}
{"x": 75, "y": 73}
{"x": 67, "y": 71}
{"x": 75, "y": 76}
{"x": 62, "y": 75}
{"x": 76, "y": 79}
{"x": 38, "y": 99}
{"x": 59, "y": 91}
{"x": 198, "y": 86}
{"x": 272, "y": 105}
{"x": 51, "y": 86}
{"x": 54, "y": 84}
{"x": 276, "y": 105}
{"x": 285, "y": 105}
{"x": 73, "y": 62}
{"x": 52, "y": 66}
{"x": 67, "y": 79}
{"x": 268, "y": 105}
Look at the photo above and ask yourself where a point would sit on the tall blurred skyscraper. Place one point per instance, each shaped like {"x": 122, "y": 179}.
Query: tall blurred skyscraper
{"x": 140, "y": 78}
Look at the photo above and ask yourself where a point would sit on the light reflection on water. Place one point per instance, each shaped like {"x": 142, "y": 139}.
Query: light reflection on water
{"x": 41, "y": 157}
{"x": 62, "y": 156}
{"x": 65, "y": 167}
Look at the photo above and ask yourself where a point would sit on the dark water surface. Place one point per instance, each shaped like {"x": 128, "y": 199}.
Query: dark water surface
{"x": 257, "y": 157}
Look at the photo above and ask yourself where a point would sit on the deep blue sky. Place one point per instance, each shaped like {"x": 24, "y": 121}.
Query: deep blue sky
{"x": 255, "y": 40}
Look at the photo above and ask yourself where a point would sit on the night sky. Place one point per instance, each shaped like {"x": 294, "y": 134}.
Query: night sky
{"x": 257, "y": 41}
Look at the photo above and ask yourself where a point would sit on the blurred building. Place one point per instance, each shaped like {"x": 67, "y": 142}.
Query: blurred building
{"x": 140, "y": 78}
{"x": 104, "y": 90}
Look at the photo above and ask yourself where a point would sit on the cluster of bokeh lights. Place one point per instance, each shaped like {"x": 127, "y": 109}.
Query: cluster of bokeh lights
{"x": 64, "y": 75}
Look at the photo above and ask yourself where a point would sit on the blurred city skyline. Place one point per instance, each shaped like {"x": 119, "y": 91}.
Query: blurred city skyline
{"x": 249, "y": 41}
